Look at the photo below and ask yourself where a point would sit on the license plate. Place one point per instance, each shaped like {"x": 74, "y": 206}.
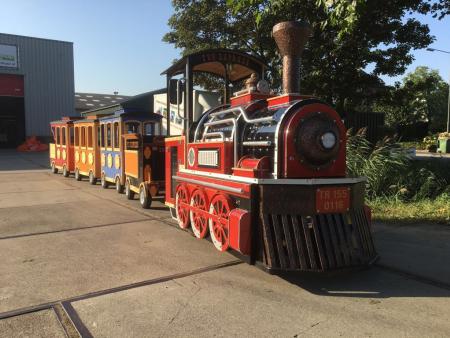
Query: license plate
{"x": 332, "y": 200}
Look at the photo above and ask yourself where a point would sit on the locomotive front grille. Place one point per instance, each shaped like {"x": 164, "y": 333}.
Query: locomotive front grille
{"x": 293, "y": 240}
{"x": 317, "y": 243}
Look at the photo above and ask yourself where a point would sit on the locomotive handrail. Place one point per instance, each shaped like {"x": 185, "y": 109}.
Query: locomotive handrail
{"x": 243, "y": 113}
{"x": 218, "y": 122}
{"x": 205, "y": 116}
{"x": 215, "y": 123}
{"x": 209, "y": 185}
{"x": 257, "y": 143}
{"x": 234, "y": 133}
{"x": 222, "y": 136}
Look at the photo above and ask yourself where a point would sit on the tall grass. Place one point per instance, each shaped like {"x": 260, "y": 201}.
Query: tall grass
{"x": 390, "y": 171}
{"x": 383, "y": 164}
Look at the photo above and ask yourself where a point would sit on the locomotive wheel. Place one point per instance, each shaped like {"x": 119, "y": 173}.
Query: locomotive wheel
{"x": 104, "y": 182}
{"x": 77, "y": 175}
{"x": 182, "y": 206}
{"x": 92, "y": 179}
{"x": 119, "y": 187}
{"x": 65, "y": 172}
{"x": 144, "y": 198}
{"x": 54, "y": 169}
{"x": 218, "y": 226}
{"x": 128, "y": 192}
{"x": 199, "y": 222}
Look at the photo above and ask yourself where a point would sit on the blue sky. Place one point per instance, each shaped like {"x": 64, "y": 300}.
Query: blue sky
{"x": 117, "y": 44}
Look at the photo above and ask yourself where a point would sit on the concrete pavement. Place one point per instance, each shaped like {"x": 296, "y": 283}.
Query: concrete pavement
{"x": 121, "y": 271}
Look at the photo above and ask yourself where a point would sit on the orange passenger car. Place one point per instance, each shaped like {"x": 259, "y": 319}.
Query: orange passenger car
{"x": 61, "y": 150}
{"x": 144, "y": 163}
{"x": 87, "y": 149}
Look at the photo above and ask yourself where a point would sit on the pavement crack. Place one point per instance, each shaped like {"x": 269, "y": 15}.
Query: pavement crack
{"x": 308, "y": 328}
{"x": 181, "y": 308}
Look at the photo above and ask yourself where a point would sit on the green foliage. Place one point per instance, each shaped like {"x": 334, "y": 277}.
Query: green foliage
{"x": 383, "y": 165}
{"x": 347, "y": 37}
{"x": 391, "y": 173}
{"x": 416, "y": 145}
{"x": 392, "y": 209}
{"x": 422, "y": 96}
{"x": 429, "y": 141}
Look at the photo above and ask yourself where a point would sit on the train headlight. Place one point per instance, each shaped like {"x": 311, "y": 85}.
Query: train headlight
{"x": 317, "y": 140}
{"x": 328, "y": 140}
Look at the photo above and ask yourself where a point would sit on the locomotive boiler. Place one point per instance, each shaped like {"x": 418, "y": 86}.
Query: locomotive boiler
{"x": 265, "y": 175}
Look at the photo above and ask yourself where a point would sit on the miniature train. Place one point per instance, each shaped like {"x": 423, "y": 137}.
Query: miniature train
{"x": 262, "y": 174}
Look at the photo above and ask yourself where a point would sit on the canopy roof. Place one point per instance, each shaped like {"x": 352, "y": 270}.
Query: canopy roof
{"x": 240, "y": 65}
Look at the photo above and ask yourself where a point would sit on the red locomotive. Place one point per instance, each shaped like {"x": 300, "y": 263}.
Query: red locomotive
{"x": 266, "y": 175}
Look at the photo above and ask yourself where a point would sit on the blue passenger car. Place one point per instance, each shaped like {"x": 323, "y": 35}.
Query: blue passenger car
{"x": 112, "y": 127}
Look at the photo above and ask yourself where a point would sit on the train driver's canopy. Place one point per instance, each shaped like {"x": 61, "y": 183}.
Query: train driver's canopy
{"x": 230, "y": 65}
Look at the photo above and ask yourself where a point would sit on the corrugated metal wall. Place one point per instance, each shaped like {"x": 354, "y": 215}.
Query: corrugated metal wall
{"x": 47, "y": 67}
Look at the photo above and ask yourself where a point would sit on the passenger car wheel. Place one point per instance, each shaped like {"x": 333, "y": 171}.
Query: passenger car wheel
{"x": 145, "y": 198}
{"x": 65, "y": 172}
{"x": 128, "y": 192}
{"x": 104, "y": 182}
{"x": 77, "y": 175}
{"x": 119, "y": 187}
{"x": 92, "y": 179}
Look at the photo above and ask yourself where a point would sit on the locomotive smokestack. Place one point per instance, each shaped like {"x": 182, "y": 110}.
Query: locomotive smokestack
{"x": 291, "y": 38}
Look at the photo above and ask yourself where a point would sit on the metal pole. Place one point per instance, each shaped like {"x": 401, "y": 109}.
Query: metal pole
{"x": 448, "y": 108}
{"x": 168, "y": 106}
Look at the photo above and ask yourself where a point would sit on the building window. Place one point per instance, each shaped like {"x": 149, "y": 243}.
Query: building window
{"x": 149, "y": 128}
{"x": 116, "y": 134}
{"x": 83, "y": 136}
{"x": 77, "y": 136}
{"x": 71, "y": 132}
{"x": 133, "y": 127}
{"x": 102, "y": 136}
{"x": 89, "y": 137}
{"x": 98, "y": 137}
{"x": 63, "y": 136}
{"x": 108, "y": 135}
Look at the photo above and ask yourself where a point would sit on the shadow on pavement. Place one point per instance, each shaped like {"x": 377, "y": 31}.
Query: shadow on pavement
{"x": 374, "y": 282}
{"x": 11, "y": 160}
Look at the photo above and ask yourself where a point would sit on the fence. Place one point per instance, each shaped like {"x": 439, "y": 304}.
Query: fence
{"x": 374, "y": 122}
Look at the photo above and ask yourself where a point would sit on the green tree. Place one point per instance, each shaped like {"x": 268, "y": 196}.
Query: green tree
{"x": 348, "y": 37}
{"x": 422, "y": 96}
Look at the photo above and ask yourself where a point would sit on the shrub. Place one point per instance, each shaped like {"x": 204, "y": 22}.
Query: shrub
{"x": 390, "y": 171}
{"x": 383, "y": 164}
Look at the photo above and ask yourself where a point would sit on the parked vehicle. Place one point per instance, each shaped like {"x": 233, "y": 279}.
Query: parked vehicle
{"x": 87, "y": 149}
{"x": 62, "y": 150}
{"x": 112, "y": 128}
